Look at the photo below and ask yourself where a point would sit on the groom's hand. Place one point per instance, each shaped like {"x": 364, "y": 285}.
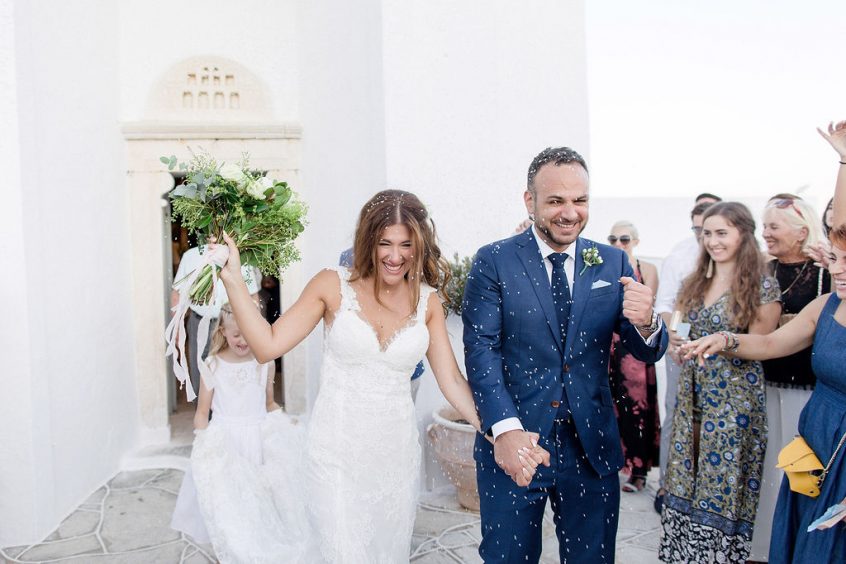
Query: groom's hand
{"x": 637, "y": 302}
{"x": 516, "y": 453}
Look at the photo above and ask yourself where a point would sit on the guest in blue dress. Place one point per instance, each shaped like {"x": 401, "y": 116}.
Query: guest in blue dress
{"x": 823, "y": 425}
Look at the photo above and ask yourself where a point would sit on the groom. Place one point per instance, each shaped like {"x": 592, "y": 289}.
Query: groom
{"x": 539, "y": 312}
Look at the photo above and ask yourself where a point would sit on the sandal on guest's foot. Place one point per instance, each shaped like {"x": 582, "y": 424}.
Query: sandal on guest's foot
{"x": 635, "y": 484}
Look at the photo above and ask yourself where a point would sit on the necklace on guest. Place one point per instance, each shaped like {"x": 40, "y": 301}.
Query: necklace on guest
{"x": 795, "y": 279}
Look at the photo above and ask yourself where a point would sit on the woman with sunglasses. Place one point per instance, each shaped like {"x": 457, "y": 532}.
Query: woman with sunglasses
{"x": 719, "y": 425}
{"x": 791, "y": 226}
{"x": 633, "y": 382}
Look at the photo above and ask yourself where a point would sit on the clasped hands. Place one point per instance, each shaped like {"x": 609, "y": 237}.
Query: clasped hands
{"x": 518, "y": 454}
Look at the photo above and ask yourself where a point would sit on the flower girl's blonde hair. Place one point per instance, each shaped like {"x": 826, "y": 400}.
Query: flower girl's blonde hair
{"x": 218, "y": 341}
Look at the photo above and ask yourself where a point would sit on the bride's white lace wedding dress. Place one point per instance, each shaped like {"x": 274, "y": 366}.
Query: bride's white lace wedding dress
{"x": 363, "y": 453}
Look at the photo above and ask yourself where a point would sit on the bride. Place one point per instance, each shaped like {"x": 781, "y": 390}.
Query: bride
{"x": 361, "y": 462}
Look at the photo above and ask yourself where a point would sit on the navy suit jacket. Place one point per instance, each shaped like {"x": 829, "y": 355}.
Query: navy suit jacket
{"x": 516, "y": 362}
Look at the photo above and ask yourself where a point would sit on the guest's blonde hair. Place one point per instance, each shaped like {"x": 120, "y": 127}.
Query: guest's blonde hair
{"x": 797, "y": 214}
{"x": 626, "y": 224}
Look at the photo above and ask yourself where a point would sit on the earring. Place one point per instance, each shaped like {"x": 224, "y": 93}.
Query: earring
{"x": 710, "y": 272}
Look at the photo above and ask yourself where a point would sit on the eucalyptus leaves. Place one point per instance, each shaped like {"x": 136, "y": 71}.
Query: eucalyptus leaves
{"x": 263, "y": 216}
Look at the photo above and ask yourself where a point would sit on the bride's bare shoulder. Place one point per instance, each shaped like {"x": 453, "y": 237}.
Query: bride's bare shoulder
{"x": 327, "y": 285}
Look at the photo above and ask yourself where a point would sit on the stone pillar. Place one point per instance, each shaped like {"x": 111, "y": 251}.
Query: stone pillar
{"x": 145, "y": 190}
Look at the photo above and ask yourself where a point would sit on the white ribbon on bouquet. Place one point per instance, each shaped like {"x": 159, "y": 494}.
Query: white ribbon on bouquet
{"x": 175, "y": 336}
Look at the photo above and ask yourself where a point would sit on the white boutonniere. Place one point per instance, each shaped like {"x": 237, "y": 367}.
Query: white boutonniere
{"x": 590, "y": 257}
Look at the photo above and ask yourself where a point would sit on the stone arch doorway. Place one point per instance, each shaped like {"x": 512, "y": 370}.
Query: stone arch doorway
{"x": 216, "y": 105}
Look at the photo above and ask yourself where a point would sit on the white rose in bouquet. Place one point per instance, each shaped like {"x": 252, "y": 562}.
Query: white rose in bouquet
{"x": 256, "y": 188}
{"x": 232, "y": 172}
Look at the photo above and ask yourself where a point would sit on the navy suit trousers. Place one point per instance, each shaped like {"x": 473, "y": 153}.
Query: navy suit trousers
{"x": 585, "y": 506}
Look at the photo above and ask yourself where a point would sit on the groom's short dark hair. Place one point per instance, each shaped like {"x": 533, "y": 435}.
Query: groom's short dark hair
{"x": 555, "y": 155}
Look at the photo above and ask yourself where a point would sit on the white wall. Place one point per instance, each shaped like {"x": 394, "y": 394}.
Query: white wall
{"x": 18, "y": 454}
{"x": 472, "y": 93}
{"x": 74, "y": 261}
{"x": 259, "y": 34}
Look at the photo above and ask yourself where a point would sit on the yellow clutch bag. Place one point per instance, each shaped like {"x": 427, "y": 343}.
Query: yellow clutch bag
{"x": 802, "y": 467}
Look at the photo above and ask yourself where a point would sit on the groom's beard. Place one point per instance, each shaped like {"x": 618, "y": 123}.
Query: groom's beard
{"x": 547, "y": 233}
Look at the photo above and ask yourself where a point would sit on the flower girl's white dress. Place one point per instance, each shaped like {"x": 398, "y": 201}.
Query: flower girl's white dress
{"x": 242, "y": 473}
{"x": 351, "y": 496}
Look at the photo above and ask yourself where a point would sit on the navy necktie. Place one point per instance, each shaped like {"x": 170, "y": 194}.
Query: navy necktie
{"x": 560, "y": 293}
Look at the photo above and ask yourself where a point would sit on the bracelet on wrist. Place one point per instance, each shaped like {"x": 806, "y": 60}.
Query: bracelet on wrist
{"x": 732, "y": 342}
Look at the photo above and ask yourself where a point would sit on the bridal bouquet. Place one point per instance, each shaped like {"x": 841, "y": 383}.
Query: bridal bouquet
{"x": 263, "y": 216}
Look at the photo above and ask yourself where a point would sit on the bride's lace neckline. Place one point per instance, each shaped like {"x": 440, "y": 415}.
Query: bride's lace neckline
{"x": 355, "y": 307}
{"x": 350, "y": 303}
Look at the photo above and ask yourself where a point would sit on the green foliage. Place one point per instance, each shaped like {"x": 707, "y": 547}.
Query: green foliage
{"x": 459, "y": 269}
{"x": 263, "y": 217}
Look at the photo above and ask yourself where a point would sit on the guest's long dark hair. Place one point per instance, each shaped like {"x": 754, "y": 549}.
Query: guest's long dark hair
{"x": 745, "y": 292}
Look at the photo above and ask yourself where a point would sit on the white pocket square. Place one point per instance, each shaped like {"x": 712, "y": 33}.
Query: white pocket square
{"x": 599, "y": 284}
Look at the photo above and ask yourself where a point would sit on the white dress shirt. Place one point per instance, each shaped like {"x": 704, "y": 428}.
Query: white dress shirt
{"x": 513, "y": 423}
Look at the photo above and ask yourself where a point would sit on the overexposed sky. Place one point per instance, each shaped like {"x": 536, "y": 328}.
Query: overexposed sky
{"x": 720, "y": 96}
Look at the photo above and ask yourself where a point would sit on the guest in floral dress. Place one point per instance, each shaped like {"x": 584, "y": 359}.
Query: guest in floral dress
{"x": 719, "y": 428}
{"x": 633, "y": 383}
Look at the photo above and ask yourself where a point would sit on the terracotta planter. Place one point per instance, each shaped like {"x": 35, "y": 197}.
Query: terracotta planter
{"x": 452, "y": 443}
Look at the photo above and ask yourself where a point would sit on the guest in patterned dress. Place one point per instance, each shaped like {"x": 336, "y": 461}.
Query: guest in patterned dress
{"x": 633, "y": 383}
{"x": 719, "y": 428}
{"x": 790, "y": 226}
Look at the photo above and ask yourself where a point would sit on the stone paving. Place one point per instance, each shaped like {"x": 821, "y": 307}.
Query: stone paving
{"x": 126, "y": 521}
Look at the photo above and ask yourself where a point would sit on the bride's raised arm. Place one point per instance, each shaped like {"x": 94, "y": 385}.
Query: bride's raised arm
{"x": 269, "y": 342}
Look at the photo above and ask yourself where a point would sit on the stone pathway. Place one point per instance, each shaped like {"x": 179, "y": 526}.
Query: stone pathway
{"x": 127, "y": 521}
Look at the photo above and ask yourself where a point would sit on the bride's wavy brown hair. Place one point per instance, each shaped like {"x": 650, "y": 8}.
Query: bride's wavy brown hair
{"x": 397, "y": 207}
{"x": 745, "y": 292}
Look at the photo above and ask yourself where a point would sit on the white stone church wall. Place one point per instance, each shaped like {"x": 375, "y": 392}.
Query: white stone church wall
{"x": 258, "y": 34}
{"x": 73, "y": 396}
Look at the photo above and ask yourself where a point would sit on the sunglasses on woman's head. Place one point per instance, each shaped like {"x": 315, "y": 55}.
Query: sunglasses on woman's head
{"x": 625, "y": 239}
{"x": 785, "y": 203}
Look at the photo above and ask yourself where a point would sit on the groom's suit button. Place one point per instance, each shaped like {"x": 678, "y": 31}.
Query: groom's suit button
{"x": 555, "y": 403}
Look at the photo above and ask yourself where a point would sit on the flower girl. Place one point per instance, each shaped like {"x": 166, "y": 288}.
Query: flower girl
{"x": 241, "y": 472}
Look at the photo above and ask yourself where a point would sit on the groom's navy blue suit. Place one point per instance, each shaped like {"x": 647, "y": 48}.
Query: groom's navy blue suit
{"x": 519, "y": 366}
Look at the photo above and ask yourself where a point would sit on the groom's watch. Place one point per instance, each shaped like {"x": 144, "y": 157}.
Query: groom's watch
{"x": 653, "y": 326}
